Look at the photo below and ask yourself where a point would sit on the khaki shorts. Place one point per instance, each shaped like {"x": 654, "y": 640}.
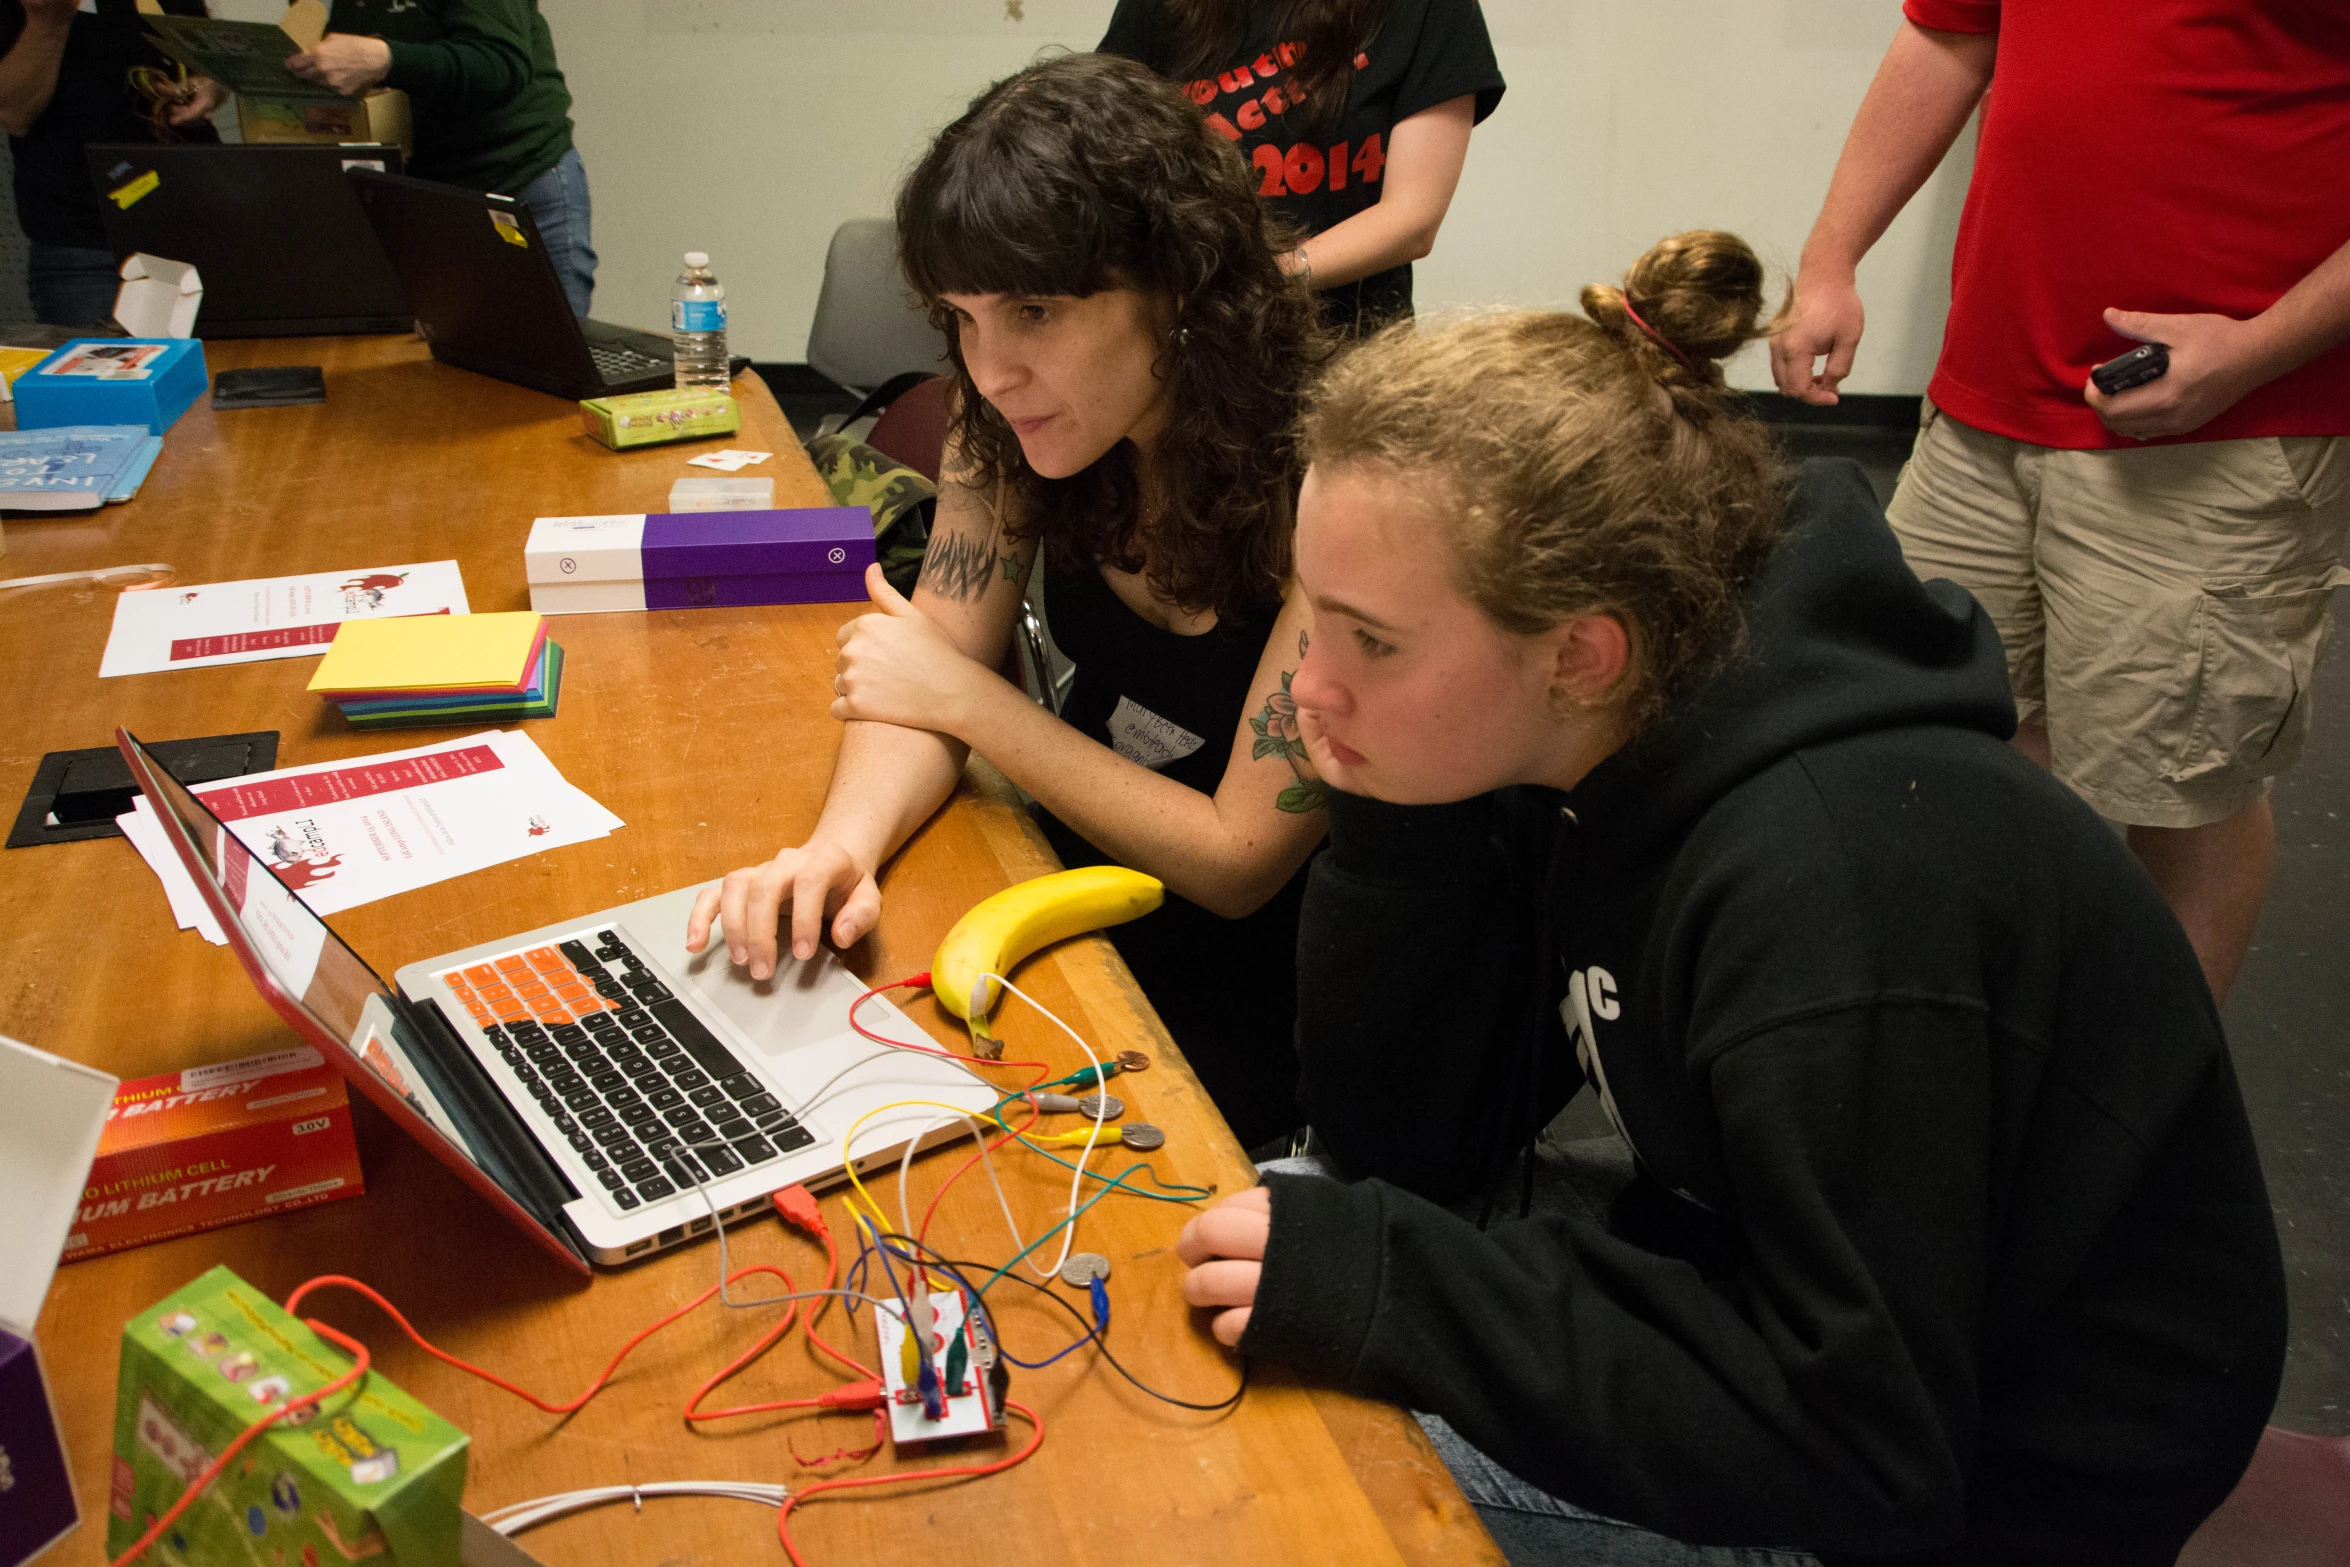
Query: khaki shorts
{"x": 2162, "y": 606}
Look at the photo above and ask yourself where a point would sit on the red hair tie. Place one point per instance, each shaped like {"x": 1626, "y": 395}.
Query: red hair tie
{"x": 1654, "y": 335}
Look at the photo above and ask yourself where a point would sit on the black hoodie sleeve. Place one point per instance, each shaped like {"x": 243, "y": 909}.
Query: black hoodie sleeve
{"x": 1412, "y": 957}
{"x": 1823, "y": 1395}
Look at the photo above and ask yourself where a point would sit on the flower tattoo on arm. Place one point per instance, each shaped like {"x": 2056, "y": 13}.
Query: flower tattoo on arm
{"x": 1275, "y": 725}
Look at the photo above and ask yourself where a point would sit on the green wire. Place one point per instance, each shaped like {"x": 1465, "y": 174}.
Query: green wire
{"x": 1199, "y": 1193}
{"x": 1112, "y": 1186}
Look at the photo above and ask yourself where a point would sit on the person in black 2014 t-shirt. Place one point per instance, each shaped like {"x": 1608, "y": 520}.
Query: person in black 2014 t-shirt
{"x": 70, "y": 76}
{"x": 1366, "y": 160}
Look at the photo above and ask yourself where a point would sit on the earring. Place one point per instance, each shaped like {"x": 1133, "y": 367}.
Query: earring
{"x": 1180, "y": 337}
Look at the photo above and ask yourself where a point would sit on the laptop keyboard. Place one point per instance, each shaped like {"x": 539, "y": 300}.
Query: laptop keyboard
{"x": 617, "y": 362}
{"x": 627, "y": 1074}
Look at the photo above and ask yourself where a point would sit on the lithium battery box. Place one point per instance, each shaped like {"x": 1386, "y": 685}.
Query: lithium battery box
{"x": 217, "y": 1145}
{"x": 369, "y": 1474}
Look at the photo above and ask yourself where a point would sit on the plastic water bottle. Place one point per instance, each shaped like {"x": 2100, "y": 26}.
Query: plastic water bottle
{"x": 697, "y": 324}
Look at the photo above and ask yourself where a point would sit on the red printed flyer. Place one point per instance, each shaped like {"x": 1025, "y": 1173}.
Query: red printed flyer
{"x": 188, "y": 627}
{"x": 339, "y": 834}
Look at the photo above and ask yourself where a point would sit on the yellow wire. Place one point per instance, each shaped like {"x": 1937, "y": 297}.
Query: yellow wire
{"x": 849, "y": 1145}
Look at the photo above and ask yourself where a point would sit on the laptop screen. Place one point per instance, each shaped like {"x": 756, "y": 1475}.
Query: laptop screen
{"x": 308, "y": 965}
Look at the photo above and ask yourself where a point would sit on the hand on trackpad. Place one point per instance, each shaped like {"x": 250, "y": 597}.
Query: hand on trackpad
{"x": 802, "y": 1004}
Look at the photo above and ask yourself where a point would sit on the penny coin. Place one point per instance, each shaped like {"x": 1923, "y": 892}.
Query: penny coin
{"x": 1101, "y": 1107}
{"x": 1141, "y": 1136}
{"x": 1084, "y": 1268}
{"x": 1133, "y": 1061}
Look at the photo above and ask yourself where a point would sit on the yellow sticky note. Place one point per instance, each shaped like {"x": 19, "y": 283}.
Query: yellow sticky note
{"x": 124, "y": 196}
{"x": 509, "y": 228}
{"x": 430, "y": 652}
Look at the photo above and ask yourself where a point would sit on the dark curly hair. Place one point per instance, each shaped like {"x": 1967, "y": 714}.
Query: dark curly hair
{"x": 1088, "y": 172}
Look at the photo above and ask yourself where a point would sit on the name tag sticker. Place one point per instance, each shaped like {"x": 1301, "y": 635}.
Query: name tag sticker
{"x": 1140, "y": 735}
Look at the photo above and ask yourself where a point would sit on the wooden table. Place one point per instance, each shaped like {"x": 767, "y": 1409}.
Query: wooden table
{"x": 705, "y": 730}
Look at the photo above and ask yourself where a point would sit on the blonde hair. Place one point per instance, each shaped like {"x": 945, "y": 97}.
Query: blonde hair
{"x": 1585, "y": 465}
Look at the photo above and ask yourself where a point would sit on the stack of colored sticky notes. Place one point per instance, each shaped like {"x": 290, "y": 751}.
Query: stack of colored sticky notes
{"x": 442, "y": 669}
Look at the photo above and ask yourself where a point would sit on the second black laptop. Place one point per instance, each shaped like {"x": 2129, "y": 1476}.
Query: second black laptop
{"x": 487, "y": 297}
{"x": 274, "y": 232}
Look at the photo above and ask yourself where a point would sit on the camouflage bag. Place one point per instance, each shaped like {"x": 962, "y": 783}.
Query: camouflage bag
{"x": 901, "y": 500}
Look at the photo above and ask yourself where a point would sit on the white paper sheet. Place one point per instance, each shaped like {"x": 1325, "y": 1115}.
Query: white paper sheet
{"x": 188, "y": 908}
{"x": 346, "y": 833}
{"x": 190, "y": 627}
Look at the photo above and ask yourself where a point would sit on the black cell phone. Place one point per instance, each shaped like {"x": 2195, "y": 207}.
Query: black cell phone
{"x": 2144, "y": 363}
{"x": 269, "y": 386}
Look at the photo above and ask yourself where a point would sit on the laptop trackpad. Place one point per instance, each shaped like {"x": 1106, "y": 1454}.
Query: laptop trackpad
{"x": 804, "y": 1004}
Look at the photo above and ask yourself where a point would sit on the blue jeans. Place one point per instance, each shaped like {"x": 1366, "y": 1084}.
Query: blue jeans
{"x": 558, "y": 203}
{"x": 1535, "y": 1529}
{"x": 71, "y": 285}
{"x": 1532, "y": 1527}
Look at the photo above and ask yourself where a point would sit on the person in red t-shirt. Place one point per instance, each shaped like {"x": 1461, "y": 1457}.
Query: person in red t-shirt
{"x": 2159, "y": 562}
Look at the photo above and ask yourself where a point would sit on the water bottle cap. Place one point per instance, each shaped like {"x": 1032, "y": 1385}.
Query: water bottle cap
{"x": 697, "y": 258}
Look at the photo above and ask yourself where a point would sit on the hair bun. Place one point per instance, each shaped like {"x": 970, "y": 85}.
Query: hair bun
{"x": 1697, "y": 296}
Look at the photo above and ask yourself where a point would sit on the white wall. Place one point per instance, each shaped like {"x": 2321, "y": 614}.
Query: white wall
{"x": 750, "y": 128}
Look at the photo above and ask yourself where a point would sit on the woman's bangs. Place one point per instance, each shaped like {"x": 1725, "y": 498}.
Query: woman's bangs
{"x": 996, "y": 223}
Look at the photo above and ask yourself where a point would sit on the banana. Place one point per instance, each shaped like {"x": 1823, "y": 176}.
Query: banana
{"x": 1000, "y": 931}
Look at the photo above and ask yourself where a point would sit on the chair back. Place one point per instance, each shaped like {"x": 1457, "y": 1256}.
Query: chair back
{"x": 2291, "y": 1509}
{"x": 913, "y": 428}
{"x": 868, "y": 327}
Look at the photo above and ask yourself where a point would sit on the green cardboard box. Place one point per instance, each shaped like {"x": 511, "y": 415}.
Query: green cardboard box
{"x": 650, "y": 418}
{"x": 369, "y": 1475}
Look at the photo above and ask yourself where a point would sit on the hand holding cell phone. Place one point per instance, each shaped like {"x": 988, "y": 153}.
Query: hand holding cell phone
{"x": 2144, "y": 363}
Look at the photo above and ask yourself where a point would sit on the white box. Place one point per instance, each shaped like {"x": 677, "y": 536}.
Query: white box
{"x": 722, "y": 495}
{"x": 158, "y": 298}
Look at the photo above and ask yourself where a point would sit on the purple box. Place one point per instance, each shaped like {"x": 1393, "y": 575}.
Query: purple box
{"x": 36, "y": 1490}
{"x": 699, "y": 560}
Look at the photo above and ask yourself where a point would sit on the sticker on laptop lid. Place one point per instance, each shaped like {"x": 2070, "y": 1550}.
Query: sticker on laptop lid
{"x": 128, "y": 196}
{"x": 509, "y": 228}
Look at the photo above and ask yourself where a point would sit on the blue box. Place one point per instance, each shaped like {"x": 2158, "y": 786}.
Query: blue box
{"x": 113, "y": 380}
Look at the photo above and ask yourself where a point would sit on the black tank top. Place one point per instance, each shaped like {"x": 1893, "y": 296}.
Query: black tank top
{"x": 1226, "y": 989}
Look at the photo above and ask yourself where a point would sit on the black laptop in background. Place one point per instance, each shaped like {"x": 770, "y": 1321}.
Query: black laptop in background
{"x": 274, "y": 232}
{"x": 487, "y": 298}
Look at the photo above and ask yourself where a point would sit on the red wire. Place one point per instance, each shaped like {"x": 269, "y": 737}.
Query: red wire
{"x": 388, "y": 1309}
{"x": 923, "y": 981}
{"x": 693, "y": 1411}
{"x": 1035, "y": 1115}
{"x": 969, "y": 1471}
{"x": 213, "y": 1470}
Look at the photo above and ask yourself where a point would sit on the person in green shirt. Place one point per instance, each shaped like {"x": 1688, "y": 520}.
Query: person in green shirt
{"x": 492, "y": 112}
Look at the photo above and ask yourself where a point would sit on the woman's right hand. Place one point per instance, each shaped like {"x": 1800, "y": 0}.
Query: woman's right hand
{"x": 817, "y": 880}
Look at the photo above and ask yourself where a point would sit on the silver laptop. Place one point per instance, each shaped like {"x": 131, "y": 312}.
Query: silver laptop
{"x": 605, "y": 1090}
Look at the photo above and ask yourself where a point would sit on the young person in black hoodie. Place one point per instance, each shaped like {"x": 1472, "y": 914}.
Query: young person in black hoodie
{"x": 1654, "y": 771}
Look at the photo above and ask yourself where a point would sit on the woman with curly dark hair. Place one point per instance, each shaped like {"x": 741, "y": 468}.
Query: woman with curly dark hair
{"x": 1129, "y": 358}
